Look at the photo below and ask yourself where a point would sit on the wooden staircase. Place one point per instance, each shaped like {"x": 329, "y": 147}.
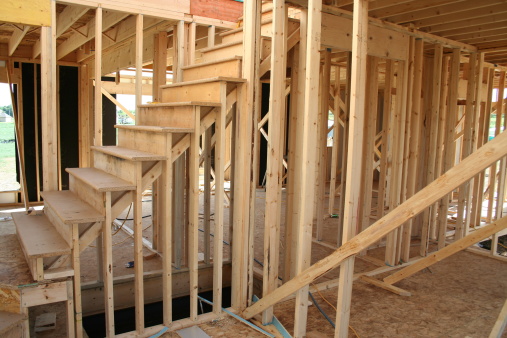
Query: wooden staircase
{"x": 53, "y": 240}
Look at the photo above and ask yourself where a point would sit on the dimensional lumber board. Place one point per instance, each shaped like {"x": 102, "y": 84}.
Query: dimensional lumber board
{"x": 100, "y": 180}
{"x": 70, "y": 208}
{"x": 382, "y": 42}
{"x": 27, "y": 12}
{"x": 38, "y": 236}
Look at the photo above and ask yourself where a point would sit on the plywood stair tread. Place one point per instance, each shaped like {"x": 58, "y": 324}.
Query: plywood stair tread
{"x": 70, "y": 208}
{"x": 220, "y": 46}
{"x": 100, "y": 180}
{"x": 179, "y": 104}
{"x": 129, "y": 154}
{"x": 38, "y": 236}
{"x": 155, "y": 129}
{"x": 197, "y": 65}
{"x": 212, "y": 79}
{"x": 9, "y": 320}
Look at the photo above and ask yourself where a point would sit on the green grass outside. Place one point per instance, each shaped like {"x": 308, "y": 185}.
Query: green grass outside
{"x": 7, "y": 143}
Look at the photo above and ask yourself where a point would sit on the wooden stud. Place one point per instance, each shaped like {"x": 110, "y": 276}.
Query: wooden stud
{"x": 467, "y": 147}
{"x": 98, "y": 79}
{"x": 138, "y": 249}
{"x": 275, "y": 154}
{"x": 76, "y": 265}
{"x": 242, "y": 180}
{"x": 193, "y": 215}
{"x": 433, "y": 137}
{"x": 107, "y": 266}
{"x": 416, "y": 122}
{"x": 165, "y": 187}
{"x": 323, "y": 118}
{"x": 48, "y": 105}
{"x": 139, "y": 59}
{"x": 354, "y": 159}
{"x": 207, "y": 195}
{"x": 449, "y": 146}
{"x": 219, "y": 201}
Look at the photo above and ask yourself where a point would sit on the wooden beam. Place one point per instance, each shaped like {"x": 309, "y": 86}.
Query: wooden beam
{"x": 63, "y": 22}
{"x": 469, "y": 167}
{"x": 89, "y": 32}
{"x": 451, "y": 249}
{"x": 351, "y": 218}
{"x": 48, "y": 105}
{"x": 29, "y": 12}
{"x": 16, "y": 38}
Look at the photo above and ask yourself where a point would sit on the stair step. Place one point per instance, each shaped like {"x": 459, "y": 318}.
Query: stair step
{"x": 229, "y": 67}
{"x": 128, "y": 154}
{"x": 58, "y": 273}
{"x": 221, "y": 51}
{"x": 169, "y": 115}
{"x": 154, "y": 129}
{"x": 9, "y": 320}
{"x": 100, "y": 180}
{"x": 197, "y": 90}
{"x": 70, "y": 208}
{"x": 38, "y": 237}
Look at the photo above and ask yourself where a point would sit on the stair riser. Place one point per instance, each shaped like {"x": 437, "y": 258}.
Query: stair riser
{"x": 233, "y": 37}
{"x": 65, "y": 230}
{"x": 222, "y": 53}
{"x": 230, "y": 68}
{"x": 124, "y": 169}
{"x": 156, "y": 143}
{"x": 87, "y": 193}
{"x": 181, "y": 117}
{"x": 204, "y": 92}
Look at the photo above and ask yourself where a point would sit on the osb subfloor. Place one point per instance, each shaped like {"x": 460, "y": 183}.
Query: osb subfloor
{"x": 458, "y": 297}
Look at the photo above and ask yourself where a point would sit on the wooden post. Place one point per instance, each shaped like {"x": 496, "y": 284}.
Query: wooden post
{"x": 336, "y": 132}
{"x": 467, "y": 148}
{"x": 107, "y": 266}
{"x": 207, "y": 194}
{"x": 165, "y": 214}
{"x": 322, "y": 143}
{"x": 306, "y": 190}
{"x": 442, "y": 227}
{"x": 275, "y": 153}
{"x": 433, "y": 137}
{"x": 48, "y": 105}
{"x": 369, "y": 141}
{"x": 415, "y": 125}
{"x": 243, "y": 160}
{"x": 354, "y": 159}
{"x": 98, "y": 79}
{"x": 219, "y": 200}
{"x": 449, "y": 146}
{"x": 193, "y": 214}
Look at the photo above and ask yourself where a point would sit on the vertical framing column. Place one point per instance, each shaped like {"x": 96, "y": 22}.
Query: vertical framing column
{"x": 165, "y": 186}
{"x": 322, "y": 143}
{"x": 48, "y": 104}
{"x": 415, "y": 126}
{"x": 193, "y": 213}
{"x": 355, "y": 160}
{"x": 107, "y": 272}
{"x": 219, "y": 200}
{"x": 138, "y": 208}
{"x": 450, "y": 134}
{"x": 98, "y": 78}
{"x": 463, "y": 194}
{"x": 306, "y": 192}
{"x": 243, "y": 160}
{"x": 275, "y": 153}
{"x": 433, "y": 139}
